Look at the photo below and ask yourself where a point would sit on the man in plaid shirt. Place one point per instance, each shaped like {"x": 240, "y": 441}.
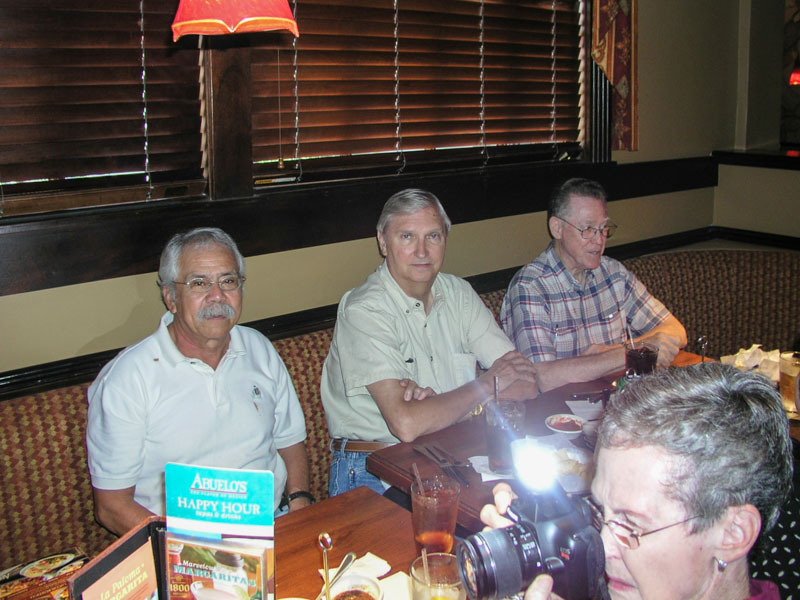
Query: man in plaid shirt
{"x": 570, "y": 309}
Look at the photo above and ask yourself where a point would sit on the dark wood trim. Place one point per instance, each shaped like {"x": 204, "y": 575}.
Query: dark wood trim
{"x": 71, "y": 247}
{"x": 765, "y": 159}
{"x": 81, "y": 369}
{"x": 227, "y": 105}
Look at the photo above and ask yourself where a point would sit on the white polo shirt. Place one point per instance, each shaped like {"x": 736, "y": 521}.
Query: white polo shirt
{"x": 151, "y": 405}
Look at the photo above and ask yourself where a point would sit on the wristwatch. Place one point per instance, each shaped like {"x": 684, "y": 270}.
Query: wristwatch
{"x": 300, "y": 494}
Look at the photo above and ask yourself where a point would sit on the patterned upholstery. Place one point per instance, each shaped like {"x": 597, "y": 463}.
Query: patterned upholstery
{"x": 45, "y": 494}
{"x": 735, "y": 298}
{"x": 303, "y": 356}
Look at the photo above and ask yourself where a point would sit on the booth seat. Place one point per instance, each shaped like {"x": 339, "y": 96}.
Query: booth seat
{"x": 734, "y": 298}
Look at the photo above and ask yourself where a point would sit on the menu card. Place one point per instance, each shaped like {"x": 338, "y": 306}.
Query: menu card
{"x": 220, "y": 533}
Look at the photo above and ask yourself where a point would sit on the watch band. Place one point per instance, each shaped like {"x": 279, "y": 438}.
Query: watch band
{"x": 301, "y": 494}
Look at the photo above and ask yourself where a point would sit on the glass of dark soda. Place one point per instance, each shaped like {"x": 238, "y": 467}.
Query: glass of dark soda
{"x": 641, "y": 357}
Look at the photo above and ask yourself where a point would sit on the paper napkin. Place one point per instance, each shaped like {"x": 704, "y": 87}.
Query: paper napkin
{"x": 586, "y": 410}
{"x": 369, "y": 565}
{"x": 396, "y": 587}
{"x": 755, "y": 359}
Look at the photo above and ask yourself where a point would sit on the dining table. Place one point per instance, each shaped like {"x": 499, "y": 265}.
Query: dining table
{"x": 359, "y": 521}
{"x": 466, "y": 439}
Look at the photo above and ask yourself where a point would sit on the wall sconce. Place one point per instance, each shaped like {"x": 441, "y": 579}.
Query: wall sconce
{"x": 219, "y": 17}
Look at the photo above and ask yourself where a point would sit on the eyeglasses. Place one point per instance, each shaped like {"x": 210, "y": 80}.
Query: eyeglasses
{"x": 624, "y": 534}
{"x": 588, "y": 233}
{"x": 202, "y": 285}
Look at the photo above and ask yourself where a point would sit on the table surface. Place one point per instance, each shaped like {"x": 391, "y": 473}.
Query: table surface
{"x": 465, "y": 439}
{"x": 357, "y": 521}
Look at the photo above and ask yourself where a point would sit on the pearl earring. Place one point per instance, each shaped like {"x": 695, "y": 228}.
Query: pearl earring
{"x": 721, "y": 564}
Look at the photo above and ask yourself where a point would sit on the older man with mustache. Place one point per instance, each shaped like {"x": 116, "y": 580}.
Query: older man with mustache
{"x": 200, "y": 390}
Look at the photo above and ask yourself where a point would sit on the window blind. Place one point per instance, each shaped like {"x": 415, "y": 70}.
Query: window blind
{"x": 93, "y": 93}
{"x": 411, "y": 82}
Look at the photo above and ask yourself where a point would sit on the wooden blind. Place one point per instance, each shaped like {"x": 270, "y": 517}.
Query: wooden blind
{"x": 85, "y": 103}
{"x": 374, "y": 82}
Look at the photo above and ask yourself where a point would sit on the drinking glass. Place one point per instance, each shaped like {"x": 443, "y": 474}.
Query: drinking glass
{"x": 790, "y": 367}
{"x": 433, "y": 513}
{"x": 441, "y": 582}
{"x": 641, "y": 357}
{"x": 505, "y": 422}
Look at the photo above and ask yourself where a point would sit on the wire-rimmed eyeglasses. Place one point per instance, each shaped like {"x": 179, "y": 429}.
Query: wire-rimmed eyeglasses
{"x": 589, "y": 232}
{"x": 202, "y": 285}
{"x": 626, "y": 535}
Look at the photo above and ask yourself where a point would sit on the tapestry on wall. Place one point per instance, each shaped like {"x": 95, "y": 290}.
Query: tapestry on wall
{"x": 614, "y": 50}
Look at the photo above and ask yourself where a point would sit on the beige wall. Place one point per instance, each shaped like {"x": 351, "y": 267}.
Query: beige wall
{"x": 48, "y": 325}
{"x": 756, "y": 199}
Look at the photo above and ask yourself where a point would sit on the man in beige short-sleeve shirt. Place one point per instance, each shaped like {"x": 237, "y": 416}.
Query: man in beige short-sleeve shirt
{"x": 406, "y": 345}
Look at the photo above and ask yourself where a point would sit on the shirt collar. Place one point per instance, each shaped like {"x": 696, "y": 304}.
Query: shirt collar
{"x": 403, "y": 300}
{"x": 174, "y": 356}
{"x": 558, "y": 267}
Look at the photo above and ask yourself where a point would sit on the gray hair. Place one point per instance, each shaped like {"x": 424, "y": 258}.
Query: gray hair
{"x": 199, "y": 237}
{"x": 559, "y": 200}
{"x": 726, "y": 428}
{"x": 407, "y": 202}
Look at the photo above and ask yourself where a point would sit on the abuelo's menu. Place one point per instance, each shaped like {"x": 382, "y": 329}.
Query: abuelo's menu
{"x": 220, "y": 527}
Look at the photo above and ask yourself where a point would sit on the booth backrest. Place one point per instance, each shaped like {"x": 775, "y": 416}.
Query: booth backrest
{"x": 735, "y": 298}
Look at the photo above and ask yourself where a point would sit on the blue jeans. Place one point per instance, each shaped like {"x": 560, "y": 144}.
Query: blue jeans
{"x": 349, "y": 471}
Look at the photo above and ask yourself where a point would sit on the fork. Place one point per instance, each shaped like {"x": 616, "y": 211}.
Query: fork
{"x": 453, "y": 460}
{"x": 447, "y": 463}
{"x": 444, "y": 465}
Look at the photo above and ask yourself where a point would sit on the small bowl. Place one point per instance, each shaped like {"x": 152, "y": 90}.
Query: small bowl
{"x": 361, "y": 586}
{"x": 567, "y": 425}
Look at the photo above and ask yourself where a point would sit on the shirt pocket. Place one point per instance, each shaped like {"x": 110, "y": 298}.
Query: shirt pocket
{"x": 464, "y": 367}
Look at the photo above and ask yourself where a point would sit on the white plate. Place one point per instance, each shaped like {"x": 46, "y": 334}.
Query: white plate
{"x": 556, "y": 423}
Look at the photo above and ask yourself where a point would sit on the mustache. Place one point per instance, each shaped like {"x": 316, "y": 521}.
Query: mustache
{"x": 219, "y": 309}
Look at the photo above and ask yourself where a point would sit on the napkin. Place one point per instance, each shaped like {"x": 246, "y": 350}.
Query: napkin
{"x": 586, "y": 410}
{"x": 481, "y": 465}
{"x": 396, "y": 587}
{"x": 369, "y": 565}
{"x": 755, "y": 359}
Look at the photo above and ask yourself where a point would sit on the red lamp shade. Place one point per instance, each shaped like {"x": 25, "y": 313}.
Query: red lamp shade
{"x": 216, "y": 17}
{"x": 794, "y": 78}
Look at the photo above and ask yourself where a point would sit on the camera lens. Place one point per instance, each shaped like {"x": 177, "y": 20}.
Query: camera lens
{"x": 498, "y": 563}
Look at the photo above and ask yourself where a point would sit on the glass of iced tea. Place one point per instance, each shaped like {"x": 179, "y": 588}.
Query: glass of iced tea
{"x": 433, "y": 513}
{"x": 790, "y": 367}
{"x": 641, "y": 357}
{"x": 441, "y": 582}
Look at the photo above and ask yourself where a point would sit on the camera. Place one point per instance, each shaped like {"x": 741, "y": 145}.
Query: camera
{"x": 552, "y": 533}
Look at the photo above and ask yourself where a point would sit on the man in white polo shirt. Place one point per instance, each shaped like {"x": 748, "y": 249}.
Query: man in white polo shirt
{"x": 200, "y": 390}
{"x": 406, "y": 344}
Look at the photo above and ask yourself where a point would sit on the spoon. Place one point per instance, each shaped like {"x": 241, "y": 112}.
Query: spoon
{"x": 325, "y": 544}
{"x": 346, "y": 563}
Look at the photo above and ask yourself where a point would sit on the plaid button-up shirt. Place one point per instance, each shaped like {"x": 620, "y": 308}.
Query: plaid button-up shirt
{"x": 549, "y": 315}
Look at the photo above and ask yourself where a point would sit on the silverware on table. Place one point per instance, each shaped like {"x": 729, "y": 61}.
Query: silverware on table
{"x": 445, "y": 465}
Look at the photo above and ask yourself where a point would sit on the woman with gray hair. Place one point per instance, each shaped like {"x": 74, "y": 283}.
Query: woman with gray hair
{"x": 692, "y": 464}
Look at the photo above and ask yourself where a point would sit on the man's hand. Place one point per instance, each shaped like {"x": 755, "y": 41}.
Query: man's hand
{"x": 515, "y": 375}
{"x": 668, "y": 347}
{"x": 413, "y": 391}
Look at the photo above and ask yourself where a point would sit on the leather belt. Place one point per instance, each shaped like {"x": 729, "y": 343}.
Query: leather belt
{"x": 358, "y": 445}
